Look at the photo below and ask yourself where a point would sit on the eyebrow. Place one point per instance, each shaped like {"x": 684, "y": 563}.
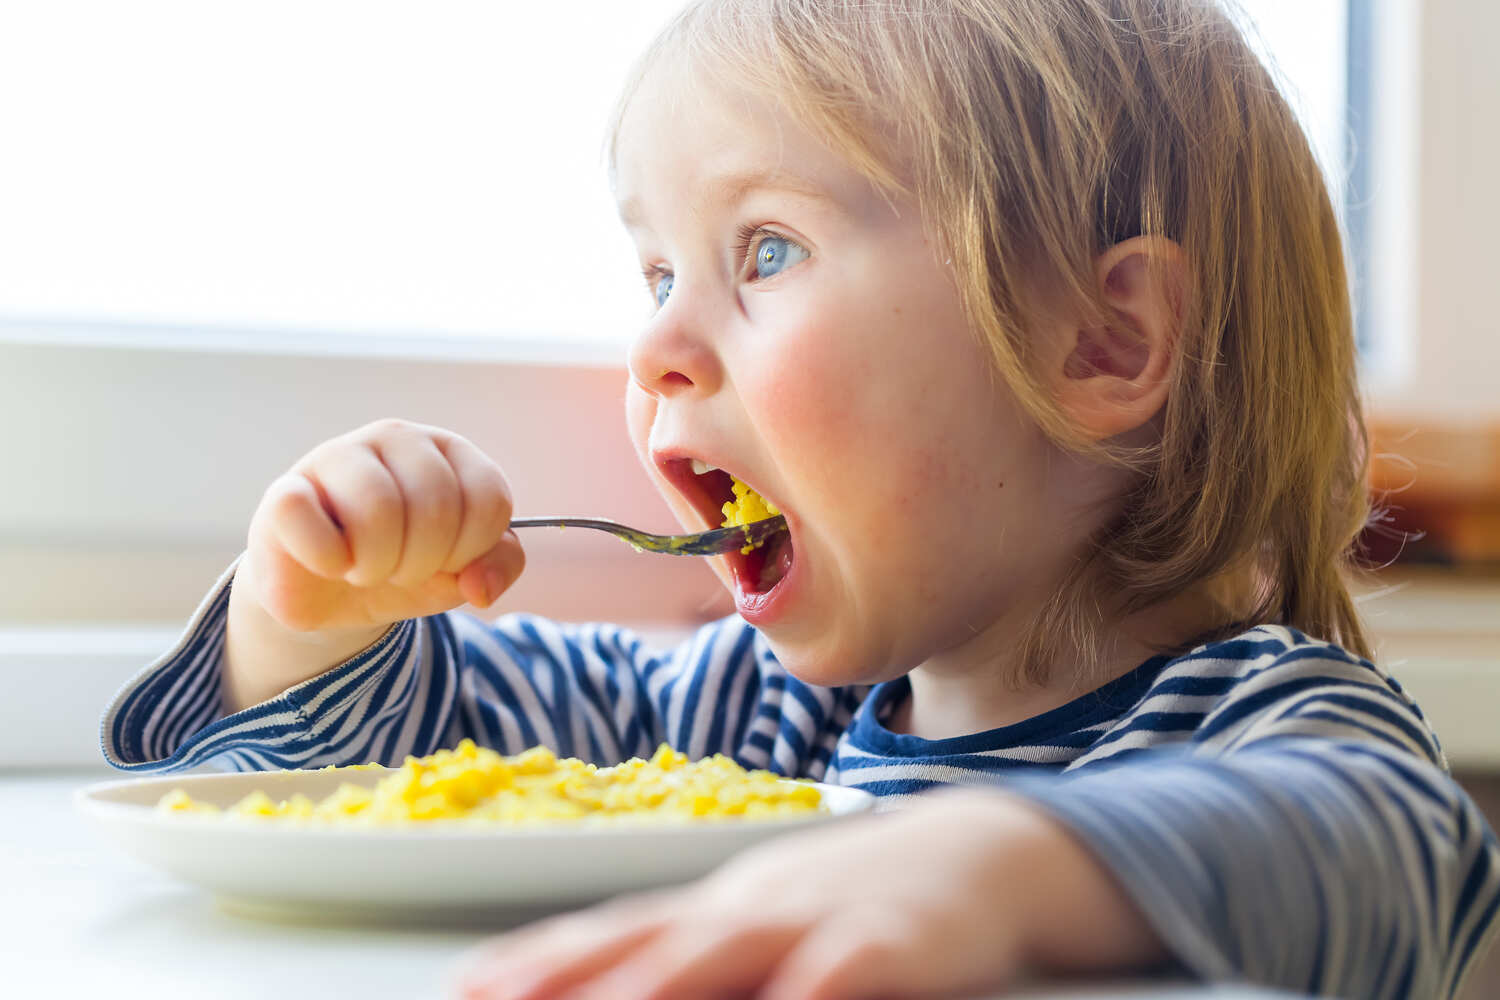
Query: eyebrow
{"x": 735, "y": 186}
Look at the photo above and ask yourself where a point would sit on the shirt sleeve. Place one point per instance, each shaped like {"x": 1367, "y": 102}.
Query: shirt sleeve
{"x": 598, "y": 692}
{"x": 1309, "y": 839}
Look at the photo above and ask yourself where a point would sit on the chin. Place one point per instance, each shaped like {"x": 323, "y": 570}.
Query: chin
{"x": 823, "y": 668}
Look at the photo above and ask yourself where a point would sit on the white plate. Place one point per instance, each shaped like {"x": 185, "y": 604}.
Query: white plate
{"x": 441, "y": 870}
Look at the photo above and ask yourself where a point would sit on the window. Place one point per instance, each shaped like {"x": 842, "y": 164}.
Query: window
{"x": 1347, "y": 68}
{"x": 395, "y": 170}
{"x": 1305, "y": 45}
{"x": 251, "y": 172}
{"x": 210, "y": 200}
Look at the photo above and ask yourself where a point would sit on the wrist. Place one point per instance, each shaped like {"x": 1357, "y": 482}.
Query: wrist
{"x": 1076, "y": 916}
{"x": 263, "y": 657}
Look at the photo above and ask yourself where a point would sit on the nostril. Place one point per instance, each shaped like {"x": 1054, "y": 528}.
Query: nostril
{"x": 668, "y": 359}
{"x": 665, "y": 383}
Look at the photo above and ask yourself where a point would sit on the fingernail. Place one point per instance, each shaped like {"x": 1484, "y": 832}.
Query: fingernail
{"x": 494, "y": 584}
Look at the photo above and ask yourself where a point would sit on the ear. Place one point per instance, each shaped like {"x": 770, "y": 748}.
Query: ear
{"x": 1113, "y": 378}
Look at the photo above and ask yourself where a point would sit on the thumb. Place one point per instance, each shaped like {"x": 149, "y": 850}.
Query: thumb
{"x": 483, "y": 581}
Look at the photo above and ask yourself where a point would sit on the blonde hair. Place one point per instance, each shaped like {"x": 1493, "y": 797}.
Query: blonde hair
{"x": 1037, "y": 134}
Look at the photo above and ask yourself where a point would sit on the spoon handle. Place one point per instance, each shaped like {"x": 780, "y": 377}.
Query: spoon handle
{"x": 705, "y": 543}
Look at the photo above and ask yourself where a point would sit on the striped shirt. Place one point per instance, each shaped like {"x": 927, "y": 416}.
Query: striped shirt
{"x": 1277, "y": 808}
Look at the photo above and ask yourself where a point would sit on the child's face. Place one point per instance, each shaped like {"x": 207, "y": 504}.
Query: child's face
{"x": 835, "y": 373}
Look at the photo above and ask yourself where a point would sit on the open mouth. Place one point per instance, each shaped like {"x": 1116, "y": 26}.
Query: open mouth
{"x": 709, "y": 488}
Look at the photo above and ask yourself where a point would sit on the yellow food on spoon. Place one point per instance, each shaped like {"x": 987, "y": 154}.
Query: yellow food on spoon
{"x": 747, "y": 507}
{"x": 479, "y": 786}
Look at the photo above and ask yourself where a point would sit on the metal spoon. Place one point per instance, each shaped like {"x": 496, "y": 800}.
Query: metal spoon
{"x": 705, "y": 543}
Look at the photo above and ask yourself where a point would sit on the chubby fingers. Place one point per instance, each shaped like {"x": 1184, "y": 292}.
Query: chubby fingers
{"x": 677, "y": 945}
{"x": 340, "y": 515}
{"x": 484, "y": 579}
{"x": 399, "y": 503}
{"x": 358, "y": 498}
{"x": 297, "y": 514}
{"x": 549, "y": 958}
{"x": 859, "y": 955}
{"x": 432, "y": 506}
{"x": 695, "y": 960}
{"x": 690, "y": 944}
{"x": 485, "y": 554}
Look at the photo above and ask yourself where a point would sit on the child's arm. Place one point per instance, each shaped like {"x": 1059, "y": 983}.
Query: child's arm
{"x": 289, "y": 664}
{"x": 1308, "y": 837}
{"x": 389, "y": 522}
{"x": 960, "y": 894}
{"x": 592, "y": 691}
{"x": 1340, "y": 869}
{"x": 1321, "y": 848}
{"x": 1314, "y": 840}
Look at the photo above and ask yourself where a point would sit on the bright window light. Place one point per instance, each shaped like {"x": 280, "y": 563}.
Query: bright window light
{"x": 1304, "y": 42}
{"x": 374, "y": 168}
{"x": 381, "y": 168}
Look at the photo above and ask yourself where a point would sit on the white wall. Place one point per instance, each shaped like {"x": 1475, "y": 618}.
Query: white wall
{"x": 132, "y": 472}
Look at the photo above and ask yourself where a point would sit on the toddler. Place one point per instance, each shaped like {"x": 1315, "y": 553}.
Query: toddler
{"x": 1031, "y": 318}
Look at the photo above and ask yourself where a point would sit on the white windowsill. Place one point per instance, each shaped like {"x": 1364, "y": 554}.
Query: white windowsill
{"x": 418, "y": 346}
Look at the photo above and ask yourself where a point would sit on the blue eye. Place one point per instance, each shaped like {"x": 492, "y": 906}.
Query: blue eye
{"x": 774, "y": 254}
{"x": 663, "y": 290}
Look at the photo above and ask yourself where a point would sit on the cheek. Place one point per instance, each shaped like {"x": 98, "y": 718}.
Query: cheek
{"x": 858, "y": 397}
{"x": 811, "y": 389}
{"x": 875, "y": 417}
{"x": 640, "y": 412}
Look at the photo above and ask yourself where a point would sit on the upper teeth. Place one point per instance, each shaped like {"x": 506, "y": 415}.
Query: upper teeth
{"x": 700, "y": 467}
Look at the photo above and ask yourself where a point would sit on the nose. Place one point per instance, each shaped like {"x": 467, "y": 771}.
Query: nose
{"x": 671, "y": 356}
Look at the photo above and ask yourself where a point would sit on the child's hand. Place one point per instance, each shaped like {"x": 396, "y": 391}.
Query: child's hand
{"x": 963, "y": 892}
{"x": 391, "y": 521}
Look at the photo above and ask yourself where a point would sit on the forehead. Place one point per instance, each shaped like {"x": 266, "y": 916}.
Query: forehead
{"x": 686, "y": 139}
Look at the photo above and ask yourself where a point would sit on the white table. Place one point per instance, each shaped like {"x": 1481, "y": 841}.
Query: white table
{"x": 79, "y": 918}
{"x": 78, "y": 914}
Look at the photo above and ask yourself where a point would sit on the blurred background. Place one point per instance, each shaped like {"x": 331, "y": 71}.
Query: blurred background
{"x": 230, "y": 231}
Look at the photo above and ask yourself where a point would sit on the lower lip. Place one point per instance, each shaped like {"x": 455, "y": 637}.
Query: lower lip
{"x": 768, "y": 608}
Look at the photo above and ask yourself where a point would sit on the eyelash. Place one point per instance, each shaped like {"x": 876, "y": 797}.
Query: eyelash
{"x": 653, "y": 273}
{"x": 744, "y": 240}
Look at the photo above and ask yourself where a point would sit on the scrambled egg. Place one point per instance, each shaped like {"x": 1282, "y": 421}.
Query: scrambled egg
{"x": 479, "y": 786}
{"x": 747, "y": 507}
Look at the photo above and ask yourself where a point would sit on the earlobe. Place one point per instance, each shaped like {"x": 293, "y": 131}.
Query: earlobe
{"x": 1113, "y": 377}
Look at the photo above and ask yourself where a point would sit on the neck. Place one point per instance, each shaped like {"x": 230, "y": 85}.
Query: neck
{"x": 981, "y": 685}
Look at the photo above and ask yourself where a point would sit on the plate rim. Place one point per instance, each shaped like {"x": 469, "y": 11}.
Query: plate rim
{"x": 86, "y": 801}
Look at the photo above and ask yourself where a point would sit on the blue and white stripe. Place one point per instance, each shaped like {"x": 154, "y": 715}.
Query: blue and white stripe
{"x": 1278, "y": 809}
